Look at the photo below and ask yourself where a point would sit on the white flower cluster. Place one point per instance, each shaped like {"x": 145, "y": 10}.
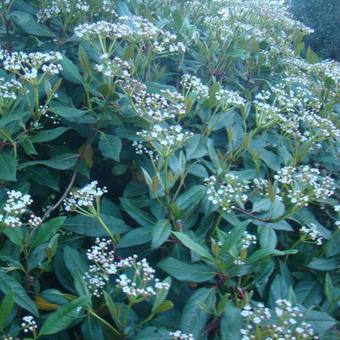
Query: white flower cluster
{"x": 28, "y": 324}
{"x": 163, "y": 140}
{"x": 28, "y": 66}
{"x": 285, "y": 322}
{"x": 9, "y": 89}
{"x": 311, "y": 233}
{"x": 194, "y": 85}
{"x": 135, "y": 278}
{"x": 142, "y": 283}
{"x": 98, "y": 275}
{"x": 261, "y": 20}
{"x": 304, "y": 184}
{"x": 143, "y": 30}
{"x": 293, "y": 106}
{"x": 178, "y": 335}
{"x": 8, "y": 337}
{"x": 247, "y": 240}
{"x": 103, "y": 257}
{"x": 261, "y": 186}
{"x": 102, "y": 29}
{"x": 227, "y": 192}
{"x": 238, "y": 261}
{"x": 328, "y": 68}
{"x": 133, "y": 29}
{"x": 158, "y": 107}
{"x": 113, "y": 68}
{"x": 84, "y": 197}
{"x": 229, "y": 98}
{"x": 16, "y": 205}
{"x": 54, "y": 8}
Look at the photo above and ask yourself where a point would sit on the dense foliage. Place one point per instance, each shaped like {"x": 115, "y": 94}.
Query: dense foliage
{"x": 169, "y": 171}
{"x": 323, "y": 16}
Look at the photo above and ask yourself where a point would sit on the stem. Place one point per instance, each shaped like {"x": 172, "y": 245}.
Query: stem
{"x": 218, "y": 221}
{"x": 103, "y": 224}
{"x": 292, "y": 247}
{"x": 104, "y": 322}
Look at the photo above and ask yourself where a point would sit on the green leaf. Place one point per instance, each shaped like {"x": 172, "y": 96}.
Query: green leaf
{"x": 192, "y": 196}
{"x": 231, "y": 323}
{"x": 268, "y": 238}
{"x": 6, "y": 307}
{"x": 88, "y": 226}
{"x": 329, "y": 289}
{"x": 194, "y": 246}
{"x": 64, "y": 316}
{"x": 312, "y": 57}
{"x": 308, "y": 291}
{"x": 47, "y": 230}
{"x": 70, "y": 71}
{"x": 67, "y": 112}
{"x": 320, "y": 321}
{"x": 195, "y": 312}
{"x": 152, "y": 333}
{"x": 29, "y": 25}
{"x": 135, "y": 237}
{"x": 62, "y": 162}
{"x": 9, "y": 284}
{"x": 160, "y": 233}
{"x": 323, "y": 264}
{"x": 48, "y": 135}
{"x": 183, "y": 271}
{"x": 91, "y": 329}
{"x": 8, "y": 165}
{"x": 74, "y": 262}
{"x": 278, "y": 289}
{"x": 15, "y": 117}
{"x": 110, "y": 146}
{"x": 234, "y": 237}
{"x": 141, "y": 216}
{"x": 161, "y": 296}
{"x": 15, "y": 235}
{"x": 196, "y": 148}
{"x": 44, "y": 177}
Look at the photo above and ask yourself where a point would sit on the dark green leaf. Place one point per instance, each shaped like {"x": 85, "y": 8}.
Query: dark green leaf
{"x": 196, "y": 312}
{"x": 29, "y": 25}
{"x": 183, "y": 271}
{"x": 88, "y": 226}
{"x": 7, "y": 167}
{"x": 8, "y": 284}
{"x": 47, "y": 230}
{"x": 191, "y": 197}
{"x": 110, "y": 146}
{"x": 48, "y": 135}
{"x": 5, "y": 309}
{"x": 231, "y": 323}
{"x": 64, "y": 316}
{"x": 160, "y": 233}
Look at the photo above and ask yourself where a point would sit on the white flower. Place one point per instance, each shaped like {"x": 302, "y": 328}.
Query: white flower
{"x": 84, "y": 198}
{"x": 28, "y": 324}
{"x": 178, "y": 335}
{"x": 227, "y": 192}
{"x": 311, "y": 233}
{"x": 164, "y": 140}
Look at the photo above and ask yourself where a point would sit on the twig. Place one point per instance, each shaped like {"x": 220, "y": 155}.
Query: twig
{"x": 69, "y": 187}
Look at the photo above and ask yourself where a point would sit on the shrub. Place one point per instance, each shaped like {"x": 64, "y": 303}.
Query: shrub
{"x": 322, "y": 16}
{"x": 168, "y": 170}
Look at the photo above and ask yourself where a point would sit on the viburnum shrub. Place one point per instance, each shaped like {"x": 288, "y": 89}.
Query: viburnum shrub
{"x": 168, "y": 170}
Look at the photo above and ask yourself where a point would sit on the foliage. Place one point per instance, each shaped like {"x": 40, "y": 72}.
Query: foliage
{"x": 168, "y": 171}
{"x": 322, "y": 16}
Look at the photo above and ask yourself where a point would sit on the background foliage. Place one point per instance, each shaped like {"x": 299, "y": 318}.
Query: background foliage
{"x": 166, "y": 168}
{"x": 323, "y": 17}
